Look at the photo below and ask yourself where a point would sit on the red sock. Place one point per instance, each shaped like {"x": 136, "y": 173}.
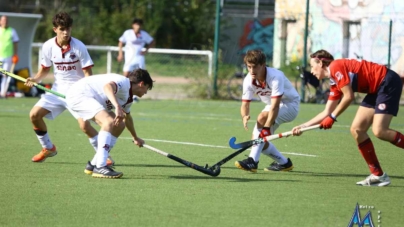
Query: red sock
{"x": 399, "y": 140}
{"x": 368, "y": 152}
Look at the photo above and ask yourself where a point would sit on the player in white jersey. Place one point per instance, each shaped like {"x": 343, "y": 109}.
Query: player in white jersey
{"x": 135, "y": 40}
{"x": 71, "y": 62}
{"x": 281, "y": 105}
{"x": 93, "y": 98}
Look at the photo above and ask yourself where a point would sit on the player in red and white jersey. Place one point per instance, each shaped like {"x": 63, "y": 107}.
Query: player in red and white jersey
{"x": 281, "y": 105}
{"x": 71, "y": 62}
{"x": 382, "y": 87}
{"x": 93, "y": 98}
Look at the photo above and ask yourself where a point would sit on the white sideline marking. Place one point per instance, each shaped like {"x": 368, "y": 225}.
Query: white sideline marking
{"x": 214, "y": 146}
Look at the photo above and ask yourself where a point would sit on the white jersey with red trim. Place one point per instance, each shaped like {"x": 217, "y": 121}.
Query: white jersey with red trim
{"x": 93, "y": 86}
{"x": 68, "y": 64}
{"x": 276, "y": 85}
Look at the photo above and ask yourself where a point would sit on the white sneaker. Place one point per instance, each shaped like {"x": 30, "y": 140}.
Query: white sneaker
{"x": 373, "y": 180}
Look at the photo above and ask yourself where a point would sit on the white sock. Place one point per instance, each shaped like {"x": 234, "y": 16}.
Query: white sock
{"x": 256, "y": 149}
{"x": 273, "y": 153}
{"x": 45, "y": 141}
{"x": 104, "y": 143}
{"x": 94, "y": 142}
{"x": 113, "y": 142}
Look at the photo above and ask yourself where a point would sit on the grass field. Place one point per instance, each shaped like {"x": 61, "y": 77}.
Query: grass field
{"x": 156, "y": 191}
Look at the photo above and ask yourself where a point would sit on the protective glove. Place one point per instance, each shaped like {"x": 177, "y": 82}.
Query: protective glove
{"x": 15, "y": 59}
{"x": 266, "y": 131}
{"x": 327, "y": 122}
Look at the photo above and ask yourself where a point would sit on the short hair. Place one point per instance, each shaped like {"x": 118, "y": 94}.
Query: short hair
{"x": 137, "y": 21}
{"x": 139, "y": 75}
{"x": 63, "y": 20}
{"x": 256, "y": 57}
{"x": 323, "y": 56}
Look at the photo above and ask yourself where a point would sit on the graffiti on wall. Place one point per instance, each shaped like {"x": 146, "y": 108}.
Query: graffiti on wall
{"x": 258, "y": 35}
{"x": 369, "y": 39}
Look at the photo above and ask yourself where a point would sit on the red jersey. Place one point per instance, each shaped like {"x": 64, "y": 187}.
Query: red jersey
{"x": 362, "y": 76}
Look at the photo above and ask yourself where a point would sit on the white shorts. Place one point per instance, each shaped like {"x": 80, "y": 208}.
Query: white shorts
{"x": 85, "y": 107}
{"x": 6, "y": 63}
{"x": 56, "y": 105}
{"x": 287, "y": 113}
{"x": 139, "y": 63}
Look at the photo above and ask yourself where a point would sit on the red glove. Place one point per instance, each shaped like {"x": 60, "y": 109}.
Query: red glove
{"x": 15, "y": 59}
{"x": 327, "y": 122}
{"x": 266, "y": 131}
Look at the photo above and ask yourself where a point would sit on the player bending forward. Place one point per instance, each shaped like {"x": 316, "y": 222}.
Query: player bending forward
{"x": 382, "y": 87}
{"x": 93, "y": 98}
{"x": 281, "y": 105}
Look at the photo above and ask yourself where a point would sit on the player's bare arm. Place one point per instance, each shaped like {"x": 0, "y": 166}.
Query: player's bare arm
{"x": 42, "y": 73}
{"x": 348, "y": 97}
{"x": 245, "y": 113}
{"x": 88, "y": 71}
{"x": 131, "y": 128}
{"x": 148, "y": 46}
{"x": 330, "y": 106}
{"x": 273, "y": 111}
{"x": 120, "y": 52}
{"x": 110, "y": 89}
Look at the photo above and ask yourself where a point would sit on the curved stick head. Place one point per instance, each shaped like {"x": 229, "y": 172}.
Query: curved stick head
{"x": 215, "y": 170}
{"x": 232, "y": 142}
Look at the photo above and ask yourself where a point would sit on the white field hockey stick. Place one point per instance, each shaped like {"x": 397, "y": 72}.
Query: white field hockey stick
{"x": 209, "y": 171}
{"x": 2, "y": 71}
{"x": 232, "y": 141}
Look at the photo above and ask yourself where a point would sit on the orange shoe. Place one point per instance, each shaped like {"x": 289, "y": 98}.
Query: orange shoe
{"x": 110, "y": 161}
{"x": 45, "y": 153}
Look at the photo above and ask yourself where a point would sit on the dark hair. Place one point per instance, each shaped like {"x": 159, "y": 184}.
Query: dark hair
{"x": 324, "y": 56}
{"x": 137, "y": 21}
{"x": 139, "y": 75}
{"x": 255, "y": 57}
{"x": 63, "y": 20}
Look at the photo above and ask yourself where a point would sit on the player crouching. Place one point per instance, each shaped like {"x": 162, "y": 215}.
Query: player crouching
{"x": 94, "y": 98}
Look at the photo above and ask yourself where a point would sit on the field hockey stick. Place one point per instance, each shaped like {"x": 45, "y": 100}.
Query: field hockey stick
{"x": 232, "y": 141}
{"x": 226, "y": 159}
{"x": 35, "y": 84}
{"x": 211, "y": 172}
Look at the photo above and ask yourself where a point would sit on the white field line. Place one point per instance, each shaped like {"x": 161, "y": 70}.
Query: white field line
{"x": 207, "y": 145}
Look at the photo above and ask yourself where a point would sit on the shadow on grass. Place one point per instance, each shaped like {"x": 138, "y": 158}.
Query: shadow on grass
{"x": 189, "y": 177}
{"x": 338, "y": 174}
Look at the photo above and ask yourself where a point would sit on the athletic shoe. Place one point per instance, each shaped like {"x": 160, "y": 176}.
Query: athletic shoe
{"x": 247, "y": 164}
{"x": 110, "y": 161}
{"x": 45, "y": 153}
{"x": 106, "y": 172}
{"x": 373, "y": 180}
{"x": 89, "y": 168}
{"x": 278, "y": 167}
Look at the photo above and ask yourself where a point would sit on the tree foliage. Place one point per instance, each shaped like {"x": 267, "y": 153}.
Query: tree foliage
{"x": 181, "y": 24}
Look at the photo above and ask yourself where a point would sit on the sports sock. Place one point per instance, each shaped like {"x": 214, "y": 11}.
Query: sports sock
{"x": 104, "y": 143}
{"x": 256, "y": 149}
{"x": 113, "y": 142}
{"x": 399, "y": 140}
{"x": 273, "y": 153}
{"x": 368, "y": 152}
{"x": 43, "y": 138}
{"x": 94, "y": 142}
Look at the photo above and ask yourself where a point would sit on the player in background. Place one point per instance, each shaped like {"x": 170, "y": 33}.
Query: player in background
{"x": 8, "y": 52}
{"x": 135, "y": 40}
{"x": 281, "y": 105}
{"x": 71, "y": 62}
{"x": 383, "y": 88}
{"x": 93, "y": 98}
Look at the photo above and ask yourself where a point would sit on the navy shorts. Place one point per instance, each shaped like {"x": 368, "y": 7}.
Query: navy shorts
{"x": 387, "y": 98}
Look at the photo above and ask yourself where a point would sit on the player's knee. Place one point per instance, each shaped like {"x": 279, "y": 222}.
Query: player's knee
{"x": 355, "y": 132}
{"x": 34, "y": 115}
{"x": 379, "y": 132}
